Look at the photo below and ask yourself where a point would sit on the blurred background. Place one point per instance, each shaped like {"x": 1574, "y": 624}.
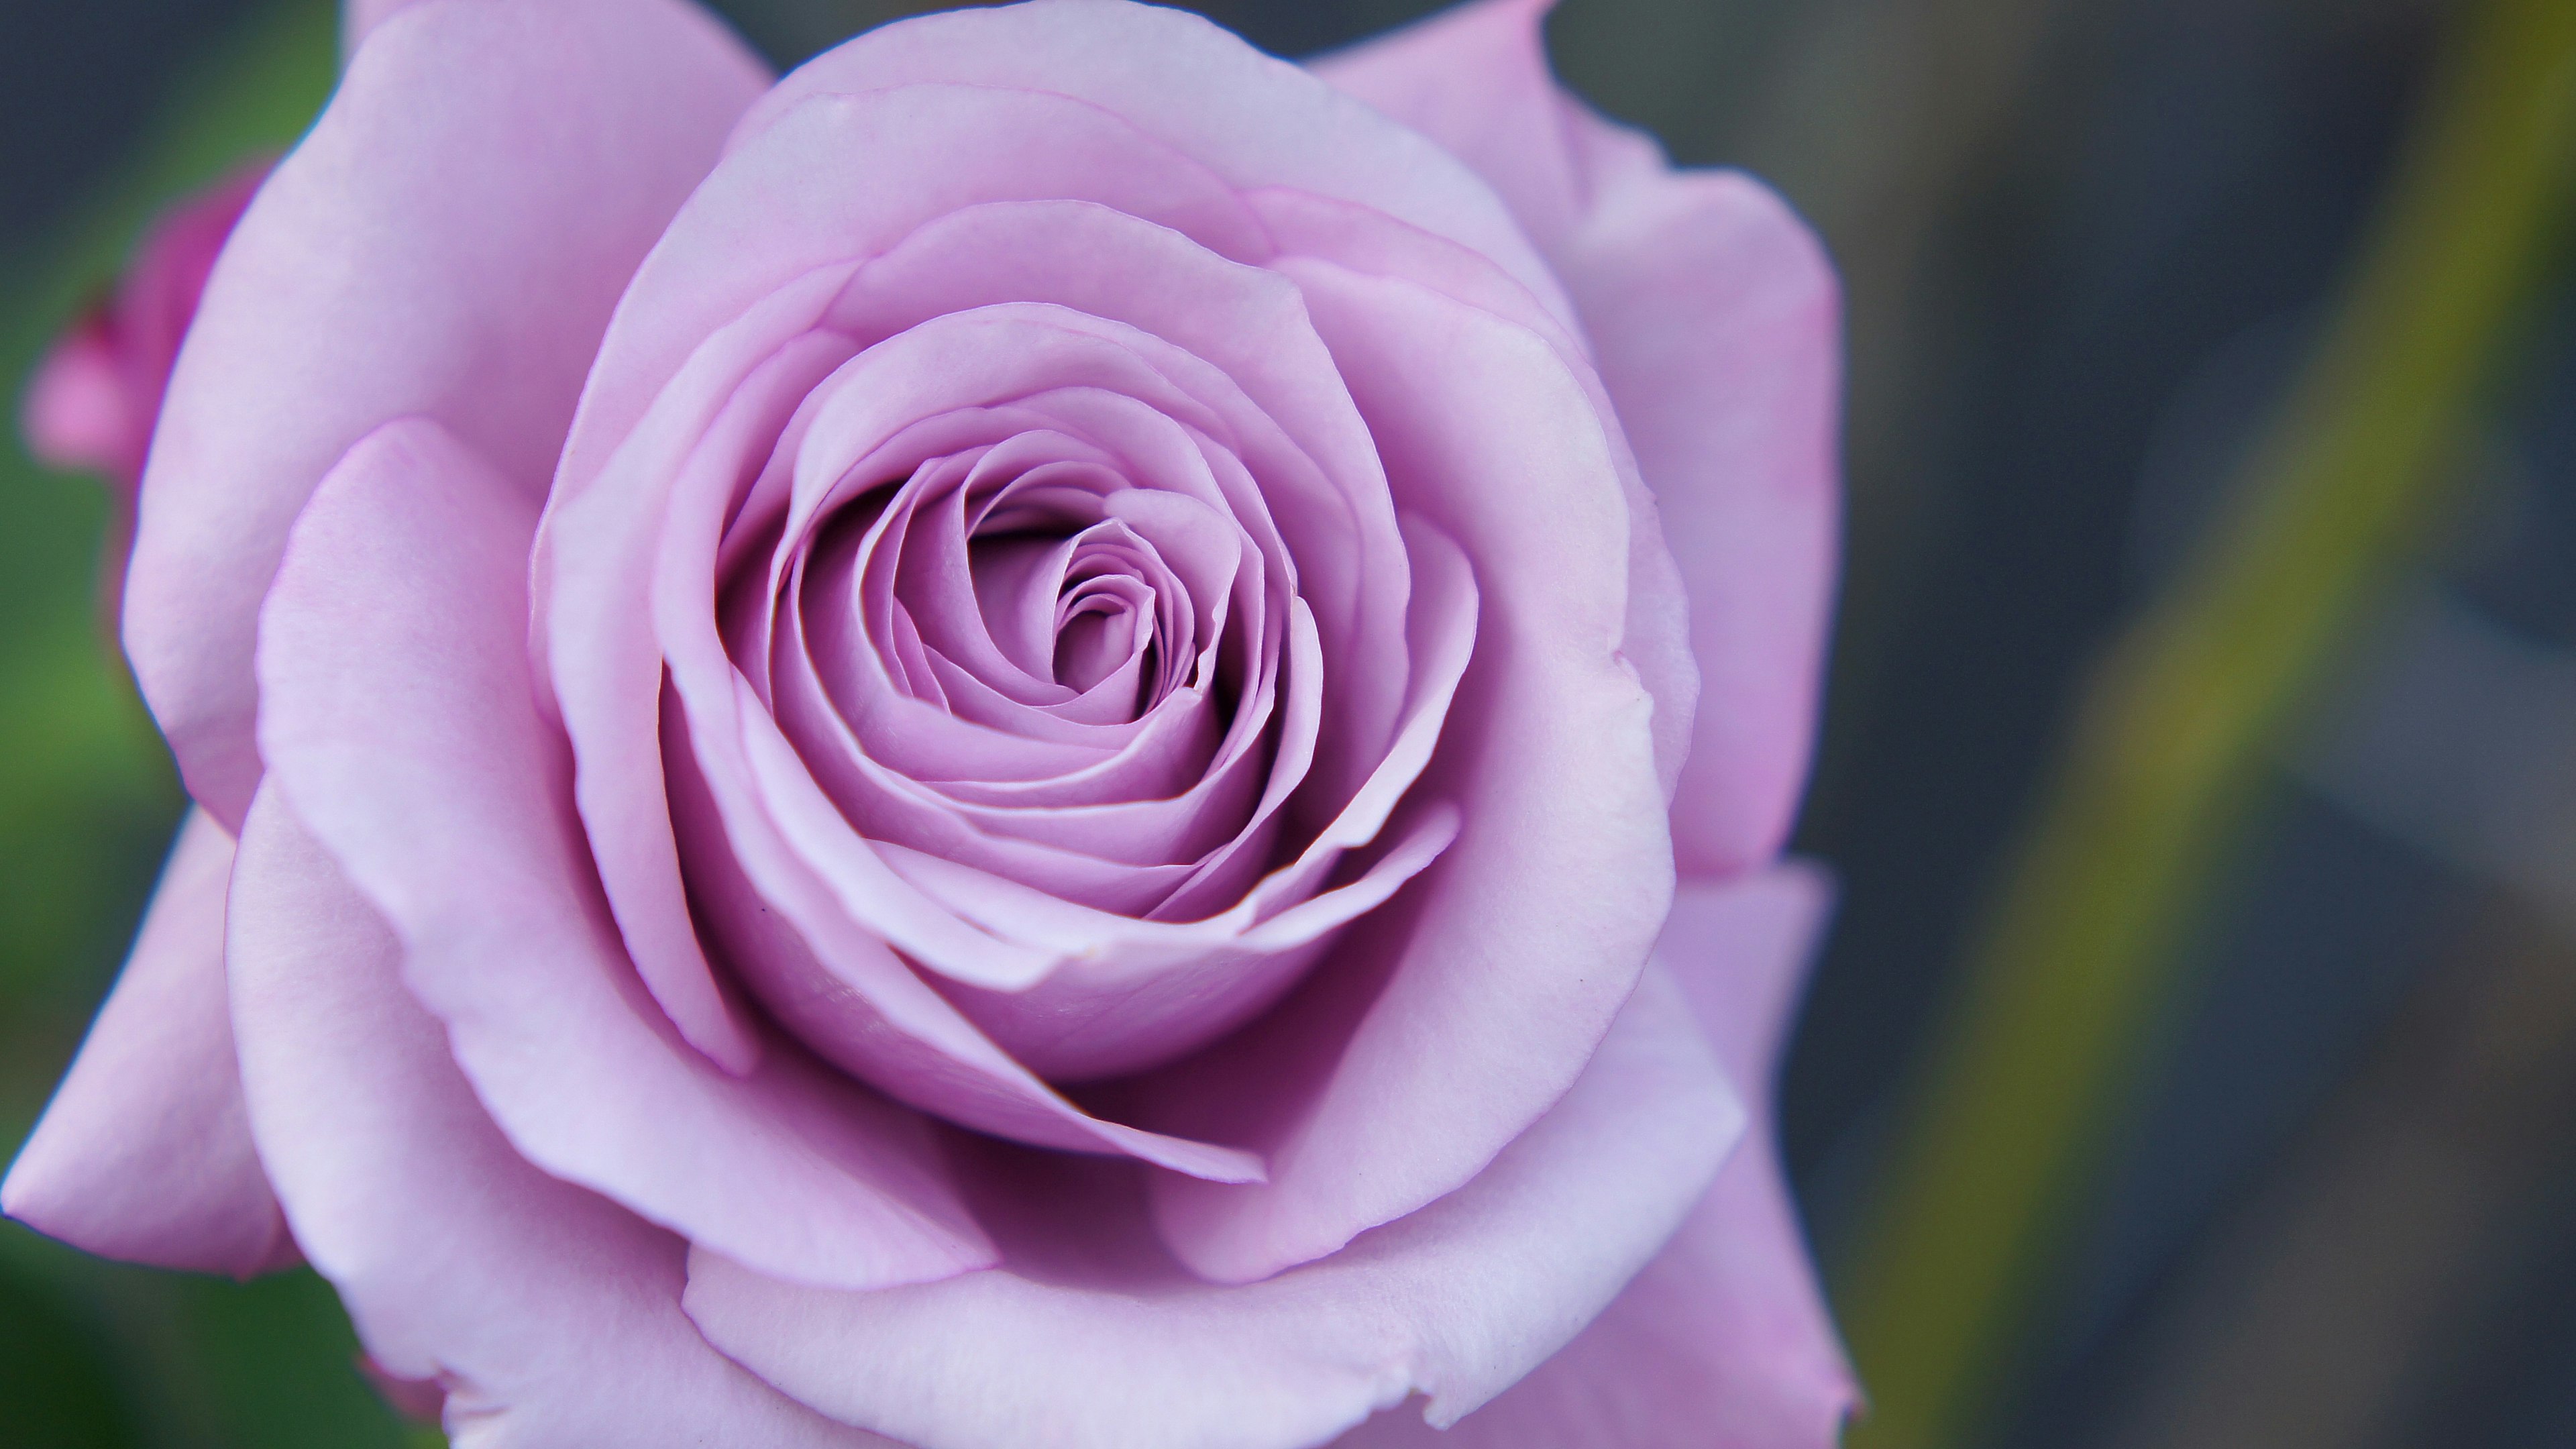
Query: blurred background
{"x": 2193, "y": 1059}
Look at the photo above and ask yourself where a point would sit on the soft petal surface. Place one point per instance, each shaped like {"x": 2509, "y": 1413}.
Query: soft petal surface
{"x": 401, "y": 721}
{"x": 359, "y": 18}
{"x": 449, "y": 240}
{"x": 145, "y": 1153}
{"x": 1452, "y": 1017}
{"x": 1087, "y": 1338}
{"x": 1254, "y": 120}
{"x": 1716, "y": 324}
{"x": 1723, "y": 1342}
{"x": 549, "y": 1316}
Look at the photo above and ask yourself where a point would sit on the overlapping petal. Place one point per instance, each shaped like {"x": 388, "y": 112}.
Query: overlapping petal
{"x": 1724, "y": 1338}
{"x": 544, "y": 1314}
{"x": 1450, "y": 1019}
{"x": 1087, "y": 1337}
{"x": 1716, "y": 325}
{"x": 145, "y": 1153}
{"x": 401, "y": 722}
{"x": 470, "y": 204}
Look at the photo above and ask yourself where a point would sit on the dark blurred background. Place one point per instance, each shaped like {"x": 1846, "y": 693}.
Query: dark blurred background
{"x": 2087, "y": 245}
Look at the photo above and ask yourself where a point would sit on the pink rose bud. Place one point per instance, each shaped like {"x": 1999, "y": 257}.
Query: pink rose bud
{"x": 96, "y": 394}
{"x": 1051, "y": 735}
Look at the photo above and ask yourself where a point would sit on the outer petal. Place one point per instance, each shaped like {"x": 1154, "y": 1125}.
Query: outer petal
{"x": 359, "y": 18}
{"x": 1254, "y": 120}
{"x": 1110, "y": 1347}
{"x": 1716, "y": 324}
{"x": 448, "y": 240}
{"x": 551, "y": 1317}
{"x": 1724, "y": 1339}
{"x": 400, "y": 719}
{"x": 145, "y": 1153}
{"x": 1449, "y": 1019}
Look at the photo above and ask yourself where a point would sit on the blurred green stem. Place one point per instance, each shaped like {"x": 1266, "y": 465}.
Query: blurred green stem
{"x": 2168, "y": 744}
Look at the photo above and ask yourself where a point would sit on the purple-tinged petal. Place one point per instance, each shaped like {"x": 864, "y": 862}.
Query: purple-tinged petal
{"x": 1718, "y": 327}
{"x": 1724, "y": 1339}
{"x": 1253, "y": 120}
{"x": 145, "y": 1153}
{"x": 1449, "y": 1019}
{"x": 1089, "y": 1338}
{"x": 1716, "y": 324}
{"x": 359, "y": 18}
{"x": 1475, "y": 79}
{"x": 401, "y": 721}
{"x": 448, "y": 240}
{"x": 547, "y": 1315}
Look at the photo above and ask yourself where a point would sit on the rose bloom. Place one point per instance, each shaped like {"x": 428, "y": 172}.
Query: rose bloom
{"x": 1051, "y": 736}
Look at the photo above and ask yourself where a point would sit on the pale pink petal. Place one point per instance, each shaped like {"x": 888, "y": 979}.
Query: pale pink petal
{"x": 144, "y": 1153}
{"x": 449, "y": 240}
{"x": 1088, "y": 1338}
{"x": 1718, "y": 327}
{"x": 359, "y": 18}
{"x": 1655, "y": 640}
{"x": 1254, "y": 120}
{"x": 1724, "y": 1340}
{"x": 769, "y": 216}
{"x": 548, "y": 1316}
{"x": 1475, "y": 79}
{"x": 745, "y": 272}
{"x": 400, "y": 719}
{"x": 1716, "y": 323}
{"x": 1448, "y": 1020}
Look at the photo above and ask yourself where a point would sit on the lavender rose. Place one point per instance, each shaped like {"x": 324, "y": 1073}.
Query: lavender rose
{"x": 987, "y": 748}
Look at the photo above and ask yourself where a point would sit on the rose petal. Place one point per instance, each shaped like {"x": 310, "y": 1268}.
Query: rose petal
{"x": 358, "y": 18}
{"x": 1356, "y": 239}
{"x": 1130, "y": 992}
{"x": 770, "y": 215}
{"x": 1450, "y": 1018}
{"x": 1724, "y": 1338}
{"x": 1474, "y": 78}
{"x": 449, "y": 239}
{"x": 1195, "y": 87}
{"x": 1106, "y": 1346}
{"x": 549, "y": 1316}
{"x": 843, "y": 990}
{"x": 1323, "y": 486}
{"x": 145, "y": 1152}
{"x": 1716, "y": 324}
{"x": 400, "y": 719}
{"x": 740, "y": 263}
